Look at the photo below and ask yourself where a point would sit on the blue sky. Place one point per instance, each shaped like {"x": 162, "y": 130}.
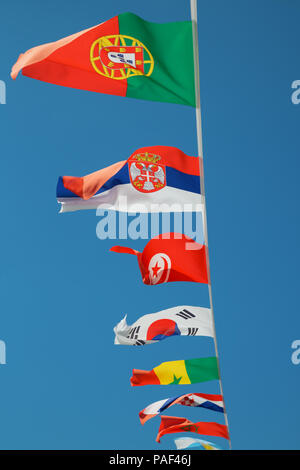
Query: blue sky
{"x": 65, "y": 385}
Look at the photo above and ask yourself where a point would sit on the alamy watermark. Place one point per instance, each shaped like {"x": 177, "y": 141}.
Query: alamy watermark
{"x": 139, "y": 221}
{"x": 2, "y": 352}
{"x": 295, "y": 358}
{"x": 2, "y": 92}
{"x": 295, "y": 96}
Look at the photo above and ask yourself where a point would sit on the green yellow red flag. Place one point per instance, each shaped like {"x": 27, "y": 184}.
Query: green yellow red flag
{"x": 125, "y": 56}
{"x": 188, "y": 371}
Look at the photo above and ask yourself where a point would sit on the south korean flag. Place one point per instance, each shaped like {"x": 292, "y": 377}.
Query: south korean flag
{"x": 175, "y": 321}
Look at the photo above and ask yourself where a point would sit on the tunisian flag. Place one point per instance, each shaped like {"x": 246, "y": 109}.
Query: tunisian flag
{"x": 170, "y": 257}
{"x": 172, "y": 424}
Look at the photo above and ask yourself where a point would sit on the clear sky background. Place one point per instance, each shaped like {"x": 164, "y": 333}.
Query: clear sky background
{"x": 65, "y": 385}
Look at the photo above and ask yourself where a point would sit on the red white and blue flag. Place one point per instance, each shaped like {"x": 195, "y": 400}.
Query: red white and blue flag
{"x": 182, "y": 320}
{"x": 202, "y": 400}
{"x": 149, "y": 179}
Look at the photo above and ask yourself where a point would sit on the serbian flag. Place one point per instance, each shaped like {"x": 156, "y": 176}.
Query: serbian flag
{"x": 202, "y": 400}
{"x": 182, "y": 372}
{"x": 170, "y": 257}
{"x": 172, "y": 424}
{"x": 125, "y": 56}
{"x": 152, "y": 179}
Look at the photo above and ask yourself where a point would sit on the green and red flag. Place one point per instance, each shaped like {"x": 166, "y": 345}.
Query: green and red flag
{"x": 174, "y": 424}
{"x": 125, "y": 56}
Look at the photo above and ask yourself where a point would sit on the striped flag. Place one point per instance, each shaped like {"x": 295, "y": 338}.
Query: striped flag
{"x": 188, "y": 371}
{"x": 203, "y": 400}
{"x": 191, "y": 443}
{"x": 155, "y": 179}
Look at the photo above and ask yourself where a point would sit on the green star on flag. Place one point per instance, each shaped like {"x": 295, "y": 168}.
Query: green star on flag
{"x": 176, "y": 380}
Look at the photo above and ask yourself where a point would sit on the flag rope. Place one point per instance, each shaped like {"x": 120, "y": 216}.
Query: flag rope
{"x": 194, "y": 18}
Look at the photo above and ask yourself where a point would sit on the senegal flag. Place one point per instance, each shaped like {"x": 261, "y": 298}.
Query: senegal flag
{"x": 125, "y": 56}
{"x": 182, "y": 372}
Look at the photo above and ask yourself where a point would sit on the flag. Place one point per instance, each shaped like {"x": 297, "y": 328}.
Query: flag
{"x": 150, "y": 178}
{"x": 124, "y": 56}
{"x": 148, "y": 329}
{"x": 203, "y": 400}
{"x": 188, "y": 371}
{"x": 173, "y": 424}
{"x": 191, "y": 443}
{"x": 170, "y": 257}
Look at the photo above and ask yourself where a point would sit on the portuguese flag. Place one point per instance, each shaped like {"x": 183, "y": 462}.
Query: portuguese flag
{"x": 125, "y": 56}
{"x": 181, "y": 372}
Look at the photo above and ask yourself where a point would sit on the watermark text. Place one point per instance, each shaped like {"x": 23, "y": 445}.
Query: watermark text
{"x": 141, "y": 222}
{"x": 2, "y": 92}
{"x": 2, "y": 352}
{"x": 296, "y": 353}
{"x": 295, "y": 96}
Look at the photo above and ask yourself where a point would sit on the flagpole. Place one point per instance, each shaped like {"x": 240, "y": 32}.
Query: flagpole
{"x": 194, "y": 18}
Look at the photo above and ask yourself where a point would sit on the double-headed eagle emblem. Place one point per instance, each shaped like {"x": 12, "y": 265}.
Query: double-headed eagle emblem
{"x": 145, "y": 174}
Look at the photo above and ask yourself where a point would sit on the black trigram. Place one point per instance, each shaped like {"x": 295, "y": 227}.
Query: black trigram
{"x": 192, "y": 331}
{"x": 133, "y": 332}
{"x": 185, "y": 314}
{"x": 140, "y": 342}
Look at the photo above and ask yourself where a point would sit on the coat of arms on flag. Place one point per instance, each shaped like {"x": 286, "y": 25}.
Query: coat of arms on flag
{"x": 120, "y": 57}
{"x": 157, "y": 178}
{"x": 202, "y": 400}
{"x": 117, "y": 57}
{"x": 146, "y": 175}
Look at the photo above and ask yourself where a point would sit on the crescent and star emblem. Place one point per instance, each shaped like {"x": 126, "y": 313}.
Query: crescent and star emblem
{"x": 159, "y": 268}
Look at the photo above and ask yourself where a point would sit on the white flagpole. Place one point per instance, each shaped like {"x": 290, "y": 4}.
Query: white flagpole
{"x": 200, "y": 154}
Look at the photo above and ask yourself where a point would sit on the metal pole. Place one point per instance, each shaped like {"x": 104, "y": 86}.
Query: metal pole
{"x": 200, "y": 154}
